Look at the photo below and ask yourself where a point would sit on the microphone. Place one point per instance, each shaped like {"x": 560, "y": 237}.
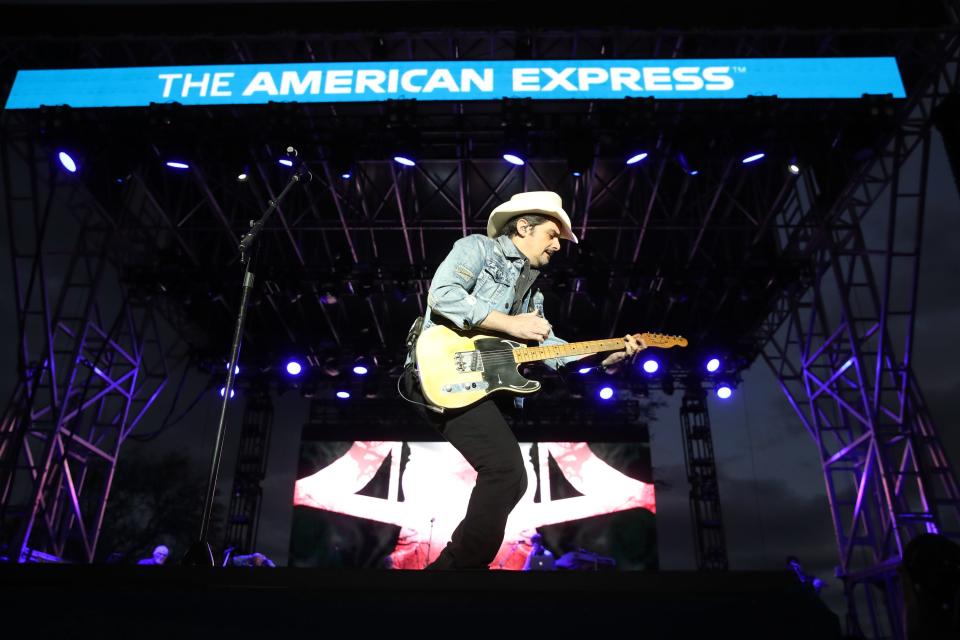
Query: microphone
{"x": 303, "y": 172}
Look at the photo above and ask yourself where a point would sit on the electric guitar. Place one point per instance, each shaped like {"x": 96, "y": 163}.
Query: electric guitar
{"x": 459, "y": 368}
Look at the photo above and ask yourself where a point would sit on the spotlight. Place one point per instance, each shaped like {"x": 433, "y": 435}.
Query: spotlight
{"x": 236, "y": 368}
{"x": 346, "y": 175}
{"x": 242, "y": 177}
{"x": 793, "y": 168}
{"x": 405, "y": 161}
{"x": 753, "y": 157}
{"x": 294, "y": 368}
{"x": 360, "y": 370}
{"x": 223, "y": 390}
{"x": 724, "y": 391}
{"x": 514, "y": 159}
{"x": 713, "y": 364}
{"x": 68, "y": 163}
{"x": 287, "y": 162}
{"x": 606, "y": 393}
{"x": 176, "y": 164}
{"x": 688, "y": 167}
{"x": 343, "y": 395}
{"x": 651, "y": 366}
{"x": 576, "y": 174}
{"x": 634, "y": 159}
{"x": 584, "y": 370}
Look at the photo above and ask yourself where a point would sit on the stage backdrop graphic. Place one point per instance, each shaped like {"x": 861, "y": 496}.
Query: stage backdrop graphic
{"x": 394, "y": 504}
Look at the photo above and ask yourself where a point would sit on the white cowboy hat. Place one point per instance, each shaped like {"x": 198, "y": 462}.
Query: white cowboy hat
{"x": 545, "y": 203}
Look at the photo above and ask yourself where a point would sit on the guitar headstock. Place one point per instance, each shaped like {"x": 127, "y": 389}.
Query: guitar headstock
{"x": 660, "y": 340}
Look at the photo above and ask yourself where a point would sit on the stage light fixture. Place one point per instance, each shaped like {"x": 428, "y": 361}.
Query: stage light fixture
{"x": 713, "y": 364}
{"x": 405, "y": 161}
{"x": 361, "y": 370}
{"x": 287, "y": 162}
{"x": 514, "y": 159}
{"x": 651, "y": 366}
{"x": 67, "y": 161}
{"x": 294, "y": 368}
{"x": 793, "y": 168}
{"x": 223, "y": 390}
{"x": 724, "y": 391}
{"x": 177, "y": 164}
{"x": 637, "y": 157}
{"x": 242, "y": 177}
{"x": 343, "y": 395}
{"x": 606, "y": 393}
{"x": 753, "y": 157}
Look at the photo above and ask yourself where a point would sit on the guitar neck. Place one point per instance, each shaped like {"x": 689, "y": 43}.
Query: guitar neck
{"x": 533, "y": 354}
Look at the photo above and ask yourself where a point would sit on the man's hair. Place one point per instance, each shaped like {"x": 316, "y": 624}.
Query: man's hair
{"x": 533, "y": 219}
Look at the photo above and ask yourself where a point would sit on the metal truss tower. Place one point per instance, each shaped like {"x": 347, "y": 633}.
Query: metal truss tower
{"x": 90, "y": 364}
{"x": 705, "y": 513}
{"x": 842, "y": 355}
{"x": 243, "y": 514}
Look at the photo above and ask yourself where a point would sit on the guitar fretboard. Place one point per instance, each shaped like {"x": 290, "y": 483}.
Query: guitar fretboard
{"x": 532, "y": 354}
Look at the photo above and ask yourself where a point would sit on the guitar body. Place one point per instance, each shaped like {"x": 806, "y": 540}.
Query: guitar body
{"x": 458, "y": 369}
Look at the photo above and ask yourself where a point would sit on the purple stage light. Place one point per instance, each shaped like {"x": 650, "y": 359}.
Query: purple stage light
{"x": 224, "y": 389}
{"x": 753, "y": 157}
{"x": 176, "y": 164}
{"x": 287, "y": 162}
{"x": 651, "y": 366}
{"x": 68, "y": 163}
{"x": 724, "y": 392}
{"x": 360, "y": 370}
{"x": 713, "y": 364}
{"x": 634, "y": 159}
{"x": 405, "y": 161}
{"x": 606, "y": 393}
{"x": 584, "y": 370}
{"x": 343, "y": 395}
{"x": 513, "y": 158}
{"x": 294, "y": 368}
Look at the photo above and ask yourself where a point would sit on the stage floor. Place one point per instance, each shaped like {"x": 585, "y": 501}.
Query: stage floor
{"x": 178, "y": 602}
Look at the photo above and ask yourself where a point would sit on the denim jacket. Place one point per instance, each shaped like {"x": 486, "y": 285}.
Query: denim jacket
{"x": 478, "y": 276}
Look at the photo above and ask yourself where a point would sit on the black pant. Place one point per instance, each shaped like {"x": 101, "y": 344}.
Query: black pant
{"x": 481, "y": 434}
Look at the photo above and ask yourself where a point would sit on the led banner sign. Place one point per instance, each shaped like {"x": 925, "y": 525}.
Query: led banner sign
{"x": 537, "y": 79}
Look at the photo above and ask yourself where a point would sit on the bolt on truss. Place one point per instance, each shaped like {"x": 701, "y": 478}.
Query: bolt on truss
{"x": 842, "y": 354}
{"x": 90, "y": 365}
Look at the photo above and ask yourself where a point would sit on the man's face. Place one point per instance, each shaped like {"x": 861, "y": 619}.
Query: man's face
{"x": 537, "y": 243}
{"x": 160, "y": 554}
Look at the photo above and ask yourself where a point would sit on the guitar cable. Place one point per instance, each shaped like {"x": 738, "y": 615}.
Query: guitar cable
{"x": 410, "y": 400}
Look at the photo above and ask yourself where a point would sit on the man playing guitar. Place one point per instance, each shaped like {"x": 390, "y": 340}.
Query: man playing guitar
{"x": 485, "y": 283}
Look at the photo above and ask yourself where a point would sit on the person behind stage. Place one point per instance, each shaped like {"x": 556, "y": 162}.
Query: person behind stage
{"x": 159, "y": 556}
{"x": 486, "y": 282}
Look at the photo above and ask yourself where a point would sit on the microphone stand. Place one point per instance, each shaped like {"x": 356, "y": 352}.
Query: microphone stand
{"x": 201, "y": 553}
